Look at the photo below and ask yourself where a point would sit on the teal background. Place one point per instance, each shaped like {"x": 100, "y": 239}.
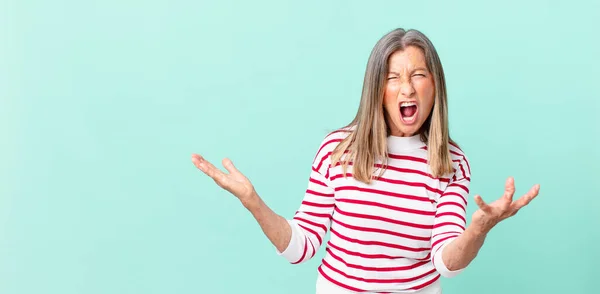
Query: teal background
{"x": 103, "y": 102}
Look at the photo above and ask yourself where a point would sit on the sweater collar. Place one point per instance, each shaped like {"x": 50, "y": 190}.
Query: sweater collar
{"x": 398, "y": 144}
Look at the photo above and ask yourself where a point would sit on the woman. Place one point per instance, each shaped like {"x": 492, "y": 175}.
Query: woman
{"x": 391, "y": 187}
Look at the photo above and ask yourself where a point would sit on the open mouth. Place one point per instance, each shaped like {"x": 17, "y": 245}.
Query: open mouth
{"x": 408, "y": 112}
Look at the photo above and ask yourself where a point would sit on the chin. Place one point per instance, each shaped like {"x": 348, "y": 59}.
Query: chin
{"x": 409, "y": 132}
{"x": 402, "y": 130}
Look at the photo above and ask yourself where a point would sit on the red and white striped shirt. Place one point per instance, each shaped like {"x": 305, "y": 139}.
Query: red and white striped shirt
{"x": 387, "y": 236}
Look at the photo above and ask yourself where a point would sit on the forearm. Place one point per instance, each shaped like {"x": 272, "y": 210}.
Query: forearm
{"x": 462, "y": 250}
{"x": 276, "y": 228}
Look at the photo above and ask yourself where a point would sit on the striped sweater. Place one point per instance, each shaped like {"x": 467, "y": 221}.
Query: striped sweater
{"x": 386, "y": 236}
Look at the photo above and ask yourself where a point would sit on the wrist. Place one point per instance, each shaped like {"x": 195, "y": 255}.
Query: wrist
{"x": 251, "y": 202}
{"x": 479, "y": 230}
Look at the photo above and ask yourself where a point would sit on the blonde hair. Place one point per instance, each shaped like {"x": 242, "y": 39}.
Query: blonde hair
{"x": 367, "y": 141}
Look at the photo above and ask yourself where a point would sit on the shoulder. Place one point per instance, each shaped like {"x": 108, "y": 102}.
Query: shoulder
{"x": 328, "y": 144}
{"x": 460, "y": 160}
{"x": 334, "y": 138}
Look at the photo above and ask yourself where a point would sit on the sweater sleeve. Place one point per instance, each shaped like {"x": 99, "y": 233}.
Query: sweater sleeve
{"x": 311, "y": 221}
{"x": 450, "y": 218}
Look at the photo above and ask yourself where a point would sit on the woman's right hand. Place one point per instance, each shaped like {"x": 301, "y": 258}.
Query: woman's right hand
{"x": 275, "y": 227}
{"x": 234, "y": 182}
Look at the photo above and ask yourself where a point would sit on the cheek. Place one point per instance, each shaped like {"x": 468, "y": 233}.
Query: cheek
{"x": 391, "y": 94}
{"x": 426, "y": 92}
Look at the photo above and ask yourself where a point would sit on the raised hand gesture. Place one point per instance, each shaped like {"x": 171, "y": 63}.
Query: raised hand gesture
{"x": 488, "y": 215}
{"x": 234, "y": 181}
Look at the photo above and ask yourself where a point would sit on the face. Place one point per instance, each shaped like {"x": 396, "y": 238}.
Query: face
{"x": 409, "y": 92}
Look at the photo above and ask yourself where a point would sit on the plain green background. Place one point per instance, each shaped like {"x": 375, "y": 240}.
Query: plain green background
{"x": 103, "y": 102}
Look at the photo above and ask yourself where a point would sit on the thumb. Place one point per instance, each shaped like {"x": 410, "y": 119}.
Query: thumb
{"x": 229, "y": 166}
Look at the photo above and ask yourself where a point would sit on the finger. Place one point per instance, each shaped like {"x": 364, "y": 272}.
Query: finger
{"x": 209, "y": 169}
{"x": 509, "y": 188}
{"x": 229, "y": 166}
{"x": 486, "y": 208}
{"x": 199, "y": 162}
{"x": 525, "y": 199}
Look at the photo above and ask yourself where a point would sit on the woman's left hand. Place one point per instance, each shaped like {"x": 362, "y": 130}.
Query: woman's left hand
{"x": 489, "y": 215}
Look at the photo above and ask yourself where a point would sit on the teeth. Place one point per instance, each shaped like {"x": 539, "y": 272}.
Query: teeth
{"x": 404, "y": 104}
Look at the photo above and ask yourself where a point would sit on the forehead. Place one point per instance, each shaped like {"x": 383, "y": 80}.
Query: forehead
{"x": 409, "y": 58}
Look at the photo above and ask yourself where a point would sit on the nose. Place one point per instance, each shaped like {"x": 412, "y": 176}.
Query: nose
{"x": 407, "y": 89}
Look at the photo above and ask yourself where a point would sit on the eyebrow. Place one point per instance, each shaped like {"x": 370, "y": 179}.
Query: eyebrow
{"x": 416, "y": 69}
